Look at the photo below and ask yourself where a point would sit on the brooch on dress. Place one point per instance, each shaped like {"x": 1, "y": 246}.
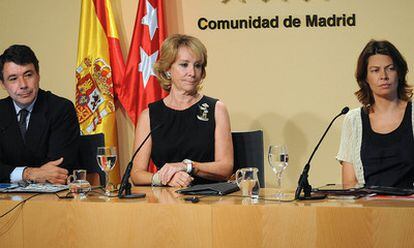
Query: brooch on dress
{"x": 202, "y": 116}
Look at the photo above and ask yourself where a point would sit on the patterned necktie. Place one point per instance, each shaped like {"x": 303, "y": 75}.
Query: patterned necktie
{"x": 22, "y": 122}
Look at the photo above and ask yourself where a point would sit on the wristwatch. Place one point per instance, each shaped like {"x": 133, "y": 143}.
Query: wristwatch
{"x": 189, "y": 165}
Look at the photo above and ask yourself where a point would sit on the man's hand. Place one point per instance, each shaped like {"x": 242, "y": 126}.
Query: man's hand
{"x": 49, "y": 172}
{"x": 180, "y": 179}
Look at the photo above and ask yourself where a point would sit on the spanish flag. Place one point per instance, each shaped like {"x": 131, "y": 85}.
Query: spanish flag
{"x": 99, "y": 72}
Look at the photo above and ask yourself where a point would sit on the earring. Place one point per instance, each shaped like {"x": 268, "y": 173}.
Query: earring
{"x": 168, "y": 74}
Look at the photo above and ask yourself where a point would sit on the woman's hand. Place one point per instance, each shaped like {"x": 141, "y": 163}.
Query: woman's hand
{"x": 167, "y": 172}
{"x": 180, "y": 179}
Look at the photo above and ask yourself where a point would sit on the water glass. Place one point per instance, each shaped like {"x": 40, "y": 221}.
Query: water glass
{"x": 278, "y": 160}
{"x": 78, "y": 185}
{"x": 106, "y": 157}
{"x": 248, "y": 182}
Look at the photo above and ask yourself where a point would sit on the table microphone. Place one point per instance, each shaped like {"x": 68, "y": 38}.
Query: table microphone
{"x": 125, "y": 184}
{"x": 303, "y": 183}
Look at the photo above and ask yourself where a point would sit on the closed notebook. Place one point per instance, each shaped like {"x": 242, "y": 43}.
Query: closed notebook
{"x": 222, "y": 188}
{"x": 339, "y": 189}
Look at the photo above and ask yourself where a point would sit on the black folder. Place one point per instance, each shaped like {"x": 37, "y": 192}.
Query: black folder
{"x": 222, "y": 188}
{"x": 339, "y": 189}
{"x": 383, "y": 190}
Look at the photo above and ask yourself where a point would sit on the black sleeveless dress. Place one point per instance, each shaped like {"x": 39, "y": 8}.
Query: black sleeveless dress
{"x": 388, "y": 159}
{"x": 184, "y": 134}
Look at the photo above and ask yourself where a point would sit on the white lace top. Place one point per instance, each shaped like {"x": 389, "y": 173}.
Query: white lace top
{"x": 351, "y": 138}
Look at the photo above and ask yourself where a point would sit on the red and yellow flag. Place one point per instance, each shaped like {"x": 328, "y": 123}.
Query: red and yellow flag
{"x": 99, "y": 72}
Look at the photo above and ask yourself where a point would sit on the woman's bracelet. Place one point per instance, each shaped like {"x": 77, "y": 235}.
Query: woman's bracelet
{"x": 155, "y": 181}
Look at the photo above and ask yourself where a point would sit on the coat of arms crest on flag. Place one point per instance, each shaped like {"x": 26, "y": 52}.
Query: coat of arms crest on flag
{"x": 94, "y": 92}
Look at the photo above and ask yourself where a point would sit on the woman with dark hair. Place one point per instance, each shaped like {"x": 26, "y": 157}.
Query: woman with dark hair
{"x": 193, "y": 143}
{"x": 377, "y": 142}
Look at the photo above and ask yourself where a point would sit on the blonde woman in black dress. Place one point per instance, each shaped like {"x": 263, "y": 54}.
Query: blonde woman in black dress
{"x": 193, "y": 144}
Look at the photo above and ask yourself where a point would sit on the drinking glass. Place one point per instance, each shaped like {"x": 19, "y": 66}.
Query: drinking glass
{"x": 106, "y": 157}
{"x": 248, "y": 182}
{"x": 278, "y": 160}
{"x": 78, "y": 185}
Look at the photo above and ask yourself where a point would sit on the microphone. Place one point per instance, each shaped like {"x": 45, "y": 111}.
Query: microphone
{"x": 125, "y": 184}
{"x": 303, "y": 183}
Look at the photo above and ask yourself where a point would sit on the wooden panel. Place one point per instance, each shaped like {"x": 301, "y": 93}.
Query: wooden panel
{"x": 164, "y": 219}
{"x": 11, "y": 225}
{"x": 289, "y": 226}
{"x": 237, "y": 226}
{"x": 393, "y": 227}
{"x": 344, "y": 227}
{"x": 124, "y": 224}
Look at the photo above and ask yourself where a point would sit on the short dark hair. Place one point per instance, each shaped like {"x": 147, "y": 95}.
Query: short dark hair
{"x": 20, "y": 55}
{"x": 364, "y": 94}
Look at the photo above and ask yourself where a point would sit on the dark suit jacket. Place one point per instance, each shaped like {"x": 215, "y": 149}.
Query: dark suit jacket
{"x": 53, "y": 132}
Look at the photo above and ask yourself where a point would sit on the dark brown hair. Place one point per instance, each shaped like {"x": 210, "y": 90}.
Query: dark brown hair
{"x": 364, "y": 94}
{"x": 20, "y": 55}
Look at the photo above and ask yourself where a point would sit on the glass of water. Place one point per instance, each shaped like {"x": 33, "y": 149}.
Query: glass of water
{"x": 278, "y": 160}
{"x": 248, "y": 181}
{"x": 106, "y": 157}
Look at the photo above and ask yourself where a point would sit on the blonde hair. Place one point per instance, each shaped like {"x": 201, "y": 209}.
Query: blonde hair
{"x": 168, "y": 55}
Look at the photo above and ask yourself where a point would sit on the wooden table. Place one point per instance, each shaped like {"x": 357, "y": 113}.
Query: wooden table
{"x": 164, "y": 219}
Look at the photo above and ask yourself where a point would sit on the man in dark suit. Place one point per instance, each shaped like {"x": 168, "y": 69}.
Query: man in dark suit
{"x": 39, "y": 131}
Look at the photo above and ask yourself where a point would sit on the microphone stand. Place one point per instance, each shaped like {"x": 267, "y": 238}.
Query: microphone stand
{"x": 125, "y": 184}
{"x": 303, "y": 183}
